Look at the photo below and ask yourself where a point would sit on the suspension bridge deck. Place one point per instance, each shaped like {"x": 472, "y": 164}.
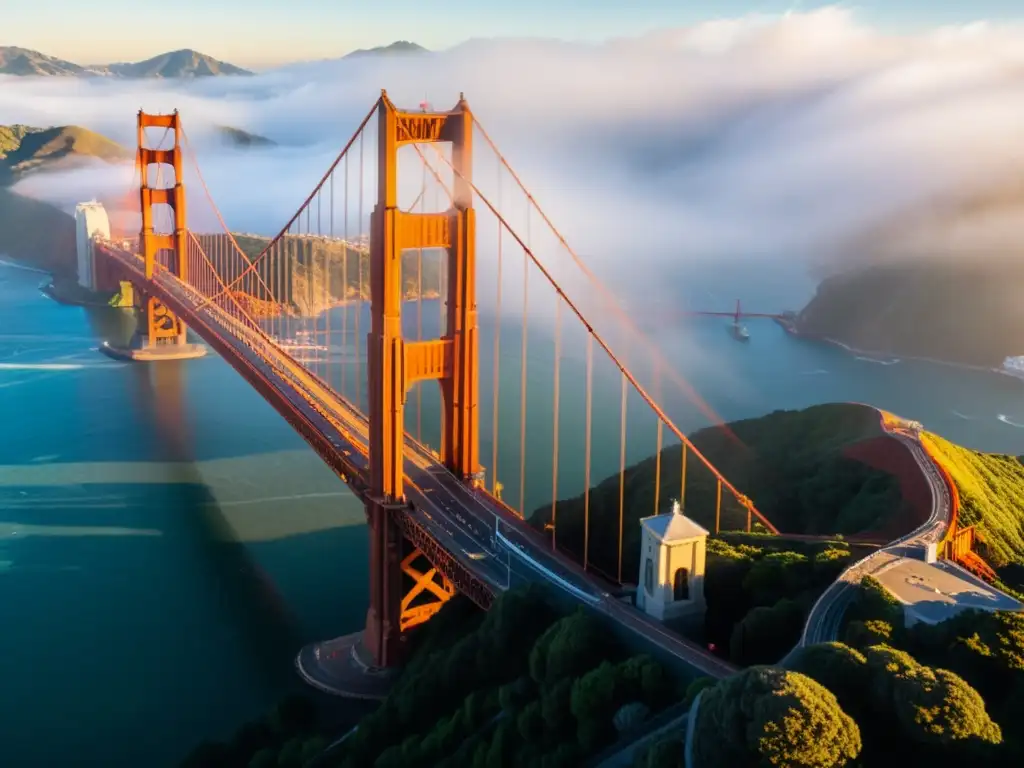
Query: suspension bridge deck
{"x": 258, "y": 302}
{"x": 451, "y": 522}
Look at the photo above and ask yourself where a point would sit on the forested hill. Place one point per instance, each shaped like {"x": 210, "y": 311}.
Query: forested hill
{"x": 793, "y": 464}
{"x": 943, "y": 280}
{"x": 959, "y": 310}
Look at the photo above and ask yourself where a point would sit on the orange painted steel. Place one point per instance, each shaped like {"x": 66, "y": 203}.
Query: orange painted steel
{"x": 618, "y": 361}
{"x": 230, "y": 293}
{"x": 394, "y": 363}
{"x": 161, "y": 325}
{"x": 430, "y": 582}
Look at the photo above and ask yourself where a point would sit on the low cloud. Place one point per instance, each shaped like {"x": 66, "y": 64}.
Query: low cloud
{"x": 731, "y": 141}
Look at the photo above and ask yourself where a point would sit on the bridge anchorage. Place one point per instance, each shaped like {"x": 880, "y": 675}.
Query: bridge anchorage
{"x": 159, "y": 333}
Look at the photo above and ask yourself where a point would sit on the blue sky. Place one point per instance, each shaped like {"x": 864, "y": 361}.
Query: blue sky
{"x": 264, "y": 32}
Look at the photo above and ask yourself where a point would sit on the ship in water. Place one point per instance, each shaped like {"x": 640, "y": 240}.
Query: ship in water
{"x": 1014, "y": 366}
{"x": 739, "y": 331}
{"x": 736, "y": 328}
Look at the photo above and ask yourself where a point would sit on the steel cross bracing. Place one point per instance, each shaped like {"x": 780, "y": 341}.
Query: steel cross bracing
{"x": 295, "y": 313}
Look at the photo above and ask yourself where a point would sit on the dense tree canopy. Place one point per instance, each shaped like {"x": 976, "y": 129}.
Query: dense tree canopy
{"x": 770, "y": 716}
{"x": 903, "y": 707}
{"x": 524, "y": 685}
{"x": 758, "y": 595}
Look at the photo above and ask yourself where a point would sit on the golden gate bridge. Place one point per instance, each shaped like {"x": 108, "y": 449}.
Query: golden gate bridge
{"x": 331, "y": 320}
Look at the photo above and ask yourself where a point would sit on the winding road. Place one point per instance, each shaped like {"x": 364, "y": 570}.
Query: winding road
{"x": 824, "y": 620}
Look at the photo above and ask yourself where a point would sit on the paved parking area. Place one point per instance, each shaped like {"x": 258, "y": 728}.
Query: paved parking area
{"x": 934, "y": 593}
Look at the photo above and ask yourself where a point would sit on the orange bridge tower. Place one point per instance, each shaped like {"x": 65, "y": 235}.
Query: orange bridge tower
{"x": 160, "y": 334}
{"x": 394, "y": 364}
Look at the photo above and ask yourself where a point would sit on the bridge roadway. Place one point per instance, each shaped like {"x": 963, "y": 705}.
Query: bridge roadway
{"x": 464, "y": 521}
{"x": 823, "y": 622}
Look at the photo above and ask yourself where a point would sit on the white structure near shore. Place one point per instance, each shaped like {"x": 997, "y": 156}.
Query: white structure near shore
{"x": 672, "y": 557}
{"x": 91, "y": 221}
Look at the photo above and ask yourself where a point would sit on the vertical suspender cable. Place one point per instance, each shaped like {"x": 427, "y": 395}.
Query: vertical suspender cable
{"x": 682, "y": 481}
{"x": 622, "y": 467}
{"x": 496, "y": 489}
{"x": 657, "y": 452}
{"x": 718, "y": 507}
{"x": 359, "y": 343}
{"x": 554, "y": 436}
{"x": 586, "y": 450}
{"x": 344, "y": 287}
{"x": 522, "y": 379}
{"x": 443, "y": 279}
{"x": 657, "y": 469}
{"x": 327, "y": 280}
{"x": 419, "y": 308}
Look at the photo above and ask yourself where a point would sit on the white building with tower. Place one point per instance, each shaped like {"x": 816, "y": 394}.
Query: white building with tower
{"x": 90, "y": 222}
{"x": 672, "y": 556}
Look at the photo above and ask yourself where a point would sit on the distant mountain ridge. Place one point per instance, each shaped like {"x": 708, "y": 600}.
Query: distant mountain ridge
{"x": 185, "y": 63}
{"x": 397, "y": 48}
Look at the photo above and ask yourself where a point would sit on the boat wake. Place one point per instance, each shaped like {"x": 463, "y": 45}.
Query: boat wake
{"x": 1006, "y": 420}
{"x": 877, "y": 362}
{"x": 42, "y": 366}
{"x": 963, "y": 416}
{"x": 15, "y": 265}
{"x": 817, "y": 372}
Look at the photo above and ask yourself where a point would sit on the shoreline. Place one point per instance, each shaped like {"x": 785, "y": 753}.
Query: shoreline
{"x": 792, "y": 329}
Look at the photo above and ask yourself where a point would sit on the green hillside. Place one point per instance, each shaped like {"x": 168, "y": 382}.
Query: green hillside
{"x": 24, "y": 149}
{"x": 793, "y": 467}
{"x": 523, "y": 685}
{"x": 991, "y": 490}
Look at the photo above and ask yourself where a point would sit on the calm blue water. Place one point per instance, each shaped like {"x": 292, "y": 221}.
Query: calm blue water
{"x": 167, "y": 542}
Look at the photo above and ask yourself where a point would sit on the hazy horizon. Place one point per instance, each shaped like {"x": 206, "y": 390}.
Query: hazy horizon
{"x": 262, "y": 33}
{"x": 735, "y": 140}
